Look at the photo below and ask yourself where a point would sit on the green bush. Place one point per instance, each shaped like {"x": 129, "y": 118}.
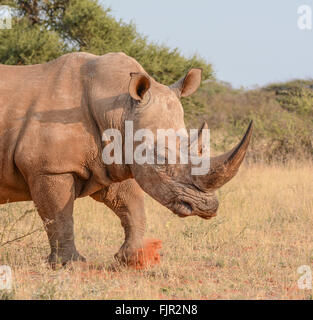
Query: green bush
{"x": 28, "y": 44}
{"x": 279, "y": 132}
{"x": 295, "y": 96}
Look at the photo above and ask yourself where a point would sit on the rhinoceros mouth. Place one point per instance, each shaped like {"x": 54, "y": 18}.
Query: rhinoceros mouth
{"x": 182, "y": 209}
{"x": 207, "y": 217}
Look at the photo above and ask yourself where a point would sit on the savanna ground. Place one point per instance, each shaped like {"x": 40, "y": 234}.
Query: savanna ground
{"x": 251, "y": 250}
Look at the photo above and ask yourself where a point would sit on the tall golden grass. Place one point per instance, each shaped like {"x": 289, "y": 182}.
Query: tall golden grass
{"x": 251, "y": 250}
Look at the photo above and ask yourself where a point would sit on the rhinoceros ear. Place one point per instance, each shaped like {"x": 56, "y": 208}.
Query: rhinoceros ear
{"x": 138, "y": 86}
{"x": 187, "y": 85}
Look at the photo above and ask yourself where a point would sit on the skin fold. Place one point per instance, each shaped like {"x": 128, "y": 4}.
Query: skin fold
{"x": 52, "y": 118}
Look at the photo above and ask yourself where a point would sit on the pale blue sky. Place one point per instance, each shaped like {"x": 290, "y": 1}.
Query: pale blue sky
{"x": 249, "y": 42}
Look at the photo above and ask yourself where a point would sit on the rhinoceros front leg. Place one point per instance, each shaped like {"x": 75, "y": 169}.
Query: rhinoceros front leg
{"x": 126, "y": 199}
{"x": 54, "y": 197}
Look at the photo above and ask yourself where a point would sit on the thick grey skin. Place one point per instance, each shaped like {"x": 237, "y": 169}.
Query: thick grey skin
{"x": 52, "y": 117}
{"x": 126, "y": 199}
{"x": 50, "y": 149}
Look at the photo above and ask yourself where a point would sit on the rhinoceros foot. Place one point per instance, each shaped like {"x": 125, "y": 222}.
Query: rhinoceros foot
{"x": 55, "y": 259}
{"x": 142, "y": 258}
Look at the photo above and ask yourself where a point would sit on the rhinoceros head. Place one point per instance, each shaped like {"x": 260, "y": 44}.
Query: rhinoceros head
{"x": 158, "y": 106}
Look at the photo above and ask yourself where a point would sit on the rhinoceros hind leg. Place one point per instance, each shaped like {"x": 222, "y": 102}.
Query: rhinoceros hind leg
{"x": 54, "y": 197}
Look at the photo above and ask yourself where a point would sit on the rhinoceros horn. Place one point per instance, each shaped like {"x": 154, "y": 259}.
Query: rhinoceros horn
{"x": 224, "y": 167}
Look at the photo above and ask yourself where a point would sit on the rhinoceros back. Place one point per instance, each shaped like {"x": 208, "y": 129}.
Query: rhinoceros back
{"x": 34, "y": 101}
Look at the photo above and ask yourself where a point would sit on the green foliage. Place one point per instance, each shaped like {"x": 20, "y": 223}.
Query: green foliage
{"x": 88, "y": 26}
{"x": 279, "y": 132}
{"x": 28, "y": 44}
{"x": 165, "y": 65}
{"x": 295, "y": 96}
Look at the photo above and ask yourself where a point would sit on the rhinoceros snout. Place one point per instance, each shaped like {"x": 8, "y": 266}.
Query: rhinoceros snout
{"x": 204, "y": 208}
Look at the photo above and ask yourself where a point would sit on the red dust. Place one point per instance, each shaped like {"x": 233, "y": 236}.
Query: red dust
{"x": 147, "y": 256}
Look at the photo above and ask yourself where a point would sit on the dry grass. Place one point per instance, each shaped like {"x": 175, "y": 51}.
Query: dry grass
{"x": 251, "y": 250}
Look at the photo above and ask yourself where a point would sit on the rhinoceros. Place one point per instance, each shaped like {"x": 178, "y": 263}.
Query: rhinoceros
{"x": 52, "y": 119}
